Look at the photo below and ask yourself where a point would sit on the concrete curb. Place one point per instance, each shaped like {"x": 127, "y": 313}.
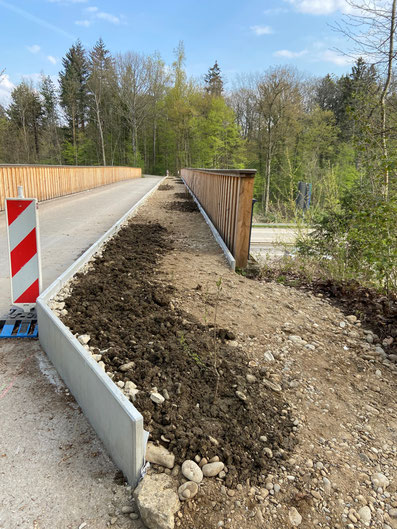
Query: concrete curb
{"x": 229, "y": 257}
{"x": 116, "y": 421}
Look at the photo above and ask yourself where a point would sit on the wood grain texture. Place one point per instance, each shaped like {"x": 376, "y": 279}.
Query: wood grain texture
{"x": 226, "y": 197}
{"x": 50, "y": 181}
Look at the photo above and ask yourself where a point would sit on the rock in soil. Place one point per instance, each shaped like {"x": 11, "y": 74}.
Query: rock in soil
{"x": 159, "y": 456}
{"x": 212, "y": 469}
{"x": 157, "y": 501}
{"x": 188, "y": 490}
{"x": 192, "y": 471}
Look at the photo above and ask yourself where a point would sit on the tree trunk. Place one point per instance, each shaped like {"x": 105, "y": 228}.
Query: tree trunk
{"x": 383, "y": 100}
{"x": 100, "y": 132}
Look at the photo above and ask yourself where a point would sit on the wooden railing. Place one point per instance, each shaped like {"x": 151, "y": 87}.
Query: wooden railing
{"x": 50, "y": 181}
{"x": 226, "y": 196}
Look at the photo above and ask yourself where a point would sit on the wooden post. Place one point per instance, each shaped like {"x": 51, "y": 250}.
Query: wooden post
{"x": 243, "y": 220}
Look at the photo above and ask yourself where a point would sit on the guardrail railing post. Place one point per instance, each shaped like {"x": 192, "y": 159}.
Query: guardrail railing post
{"x": 243, "y": 220}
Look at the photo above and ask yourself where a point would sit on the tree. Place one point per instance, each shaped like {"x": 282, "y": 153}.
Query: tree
{"x": 25, "y": 113}
{"x": 50, "y": 120}
{"x": 213, "y": 81}
{"x": 74, "y": 92}
{"x": 279, "y": 104}
{"x": 133, "y": 71}
{"x": 101, "y": 89}
{"x": 371, "y": 27}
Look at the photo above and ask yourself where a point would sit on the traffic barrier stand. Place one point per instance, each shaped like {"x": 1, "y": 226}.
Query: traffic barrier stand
{"x": 25, "y": 269}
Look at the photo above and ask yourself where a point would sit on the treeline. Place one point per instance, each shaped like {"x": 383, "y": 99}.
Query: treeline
{"x": 133, "y": 109}
{"x": 129, "y": 109}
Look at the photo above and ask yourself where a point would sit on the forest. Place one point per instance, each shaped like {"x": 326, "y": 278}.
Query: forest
{"x": 336, "y": 133}
{"x": 133, "y": 109}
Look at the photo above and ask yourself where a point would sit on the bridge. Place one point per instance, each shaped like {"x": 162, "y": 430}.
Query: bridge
{"x": 38, "y": 418}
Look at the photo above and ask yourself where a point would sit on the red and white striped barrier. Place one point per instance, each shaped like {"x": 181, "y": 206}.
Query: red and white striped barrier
{"x": 23, "y": 244}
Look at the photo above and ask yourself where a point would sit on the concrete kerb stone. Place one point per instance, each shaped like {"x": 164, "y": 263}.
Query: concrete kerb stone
{"x": 229, "y": 257}
{"x": 116, "y": 421}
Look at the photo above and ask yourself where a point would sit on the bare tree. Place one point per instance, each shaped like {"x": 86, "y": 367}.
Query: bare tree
{"x": 371, "y": 27}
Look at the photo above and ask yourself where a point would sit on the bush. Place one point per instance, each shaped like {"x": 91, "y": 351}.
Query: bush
{"x": 357, "y": 240}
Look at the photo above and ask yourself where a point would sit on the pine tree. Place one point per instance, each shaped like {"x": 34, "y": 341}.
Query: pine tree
{"x": 213, "y": 80}
{"x": 74, "y": 91}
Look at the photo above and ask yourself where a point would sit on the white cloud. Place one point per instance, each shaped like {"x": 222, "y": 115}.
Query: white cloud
{"x": 336, "y": 58}
{"x": 288, "y": 54}
{"x": 6, "y": 87}
{"x": 96, "y": 14}
{"x": 262, "y": 30}
{"x": 84, "y": 23}
{"x": 33, "y": 49}
{"x": 52, "y": 59}
{"x": 320, "y": 7}
{"x": 108, "y": 17}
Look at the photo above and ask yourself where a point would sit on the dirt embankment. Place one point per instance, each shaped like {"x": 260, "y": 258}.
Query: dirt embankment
{"x": 303, "y": 414}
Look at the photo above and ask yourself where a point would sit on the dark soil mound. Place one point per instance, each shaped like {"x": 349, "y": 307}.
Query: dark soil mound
{"x": 129, "y": 314}
{"x": 187, "y": 206}
{"x": 165, "y": 187}
{"x": 185, "y": 196}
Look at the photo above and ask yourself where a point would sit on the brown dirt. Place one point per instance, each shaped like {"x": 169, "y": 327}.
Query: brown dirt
{"x": 334, "y": 419}
{"x": 375, "y": 310}
{"x": 129, "y": 313}
{"x": 187, "y": 206}
{"x": 165, "y": 187}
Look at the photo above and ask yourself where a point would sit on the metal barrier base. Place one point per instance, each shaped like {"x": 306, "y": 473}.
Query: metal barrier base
{"x": 19, "y": 324}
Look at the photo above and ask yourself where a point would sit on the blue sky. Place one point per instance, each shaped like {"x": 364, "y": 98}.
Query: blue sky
{"x": 242, "y": 35}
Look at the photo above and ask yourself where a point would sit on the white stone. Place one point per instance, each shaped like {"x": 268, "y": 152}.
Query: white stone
{"x": 159, "y": 456}
{"x": 157, "y": 398}
{"x": 212, "y": 469}
{"x": 268, "y": 357}
{"x": 351, "y": 318}
{"x": 188, "y": 490}
{"x": 127, "y": 366}
{"x": 294, "y": 517}
{"x": 129, "y": 385}
{"x": 84, "y": 338}
{"x": 192, "y": 471}
{"x": 380, "y": 480}
{"x": 296, "y": 339}
{"x": 157, "y": 502}
{"x": 365, "y": 514}
{"x": 272, "y": 385}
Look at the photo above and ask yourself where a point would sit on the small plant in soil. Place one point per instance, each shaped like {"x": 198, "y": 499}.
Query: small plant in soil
{"x": 188, "y": 352}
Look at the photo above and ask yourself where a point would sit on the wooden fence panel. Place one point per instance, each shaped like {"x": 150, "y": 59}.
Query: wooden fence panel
{"x": 226, "y": 196}
{"x": 50, "y": 181}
